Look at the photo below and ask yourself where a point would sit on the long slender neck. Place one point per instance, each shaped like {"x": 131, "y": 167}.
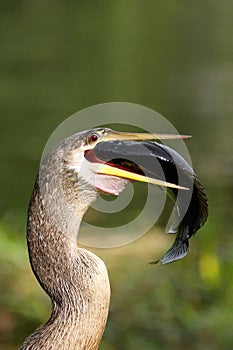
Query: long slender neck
{"x": 75, "y": 279}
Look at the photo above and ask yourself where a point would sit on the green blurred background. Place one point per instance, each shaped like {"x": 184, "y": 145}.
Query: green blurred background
{"x": 58, "y": 57}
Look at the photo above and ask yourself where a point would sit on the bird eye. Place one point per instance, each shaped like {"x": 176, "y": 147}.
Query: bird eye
{"x": 92, "y": 138}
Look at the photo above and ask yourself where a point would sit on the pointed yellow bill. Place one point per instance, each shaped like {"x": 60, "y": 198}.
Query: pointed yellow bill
{"x": 109, "y": 170}
{"x": 127, "y": 136}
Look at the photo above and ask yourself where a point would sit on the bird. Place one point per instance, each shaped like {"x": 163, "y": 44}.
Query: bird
{"x": 69, "y": 180}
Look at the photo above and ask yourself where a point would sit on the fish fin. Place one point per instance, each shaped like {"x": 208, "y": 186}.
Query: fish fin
{"x": 178, "y": 251}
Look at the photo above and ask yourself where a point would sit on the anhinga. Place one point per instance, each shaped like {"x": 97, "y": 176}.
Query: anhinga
{"x": 68, "y": 182}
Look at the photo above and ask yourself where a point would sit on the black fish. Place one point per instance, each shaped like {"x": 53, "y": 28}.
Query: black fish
{"x": 161, "y": 162}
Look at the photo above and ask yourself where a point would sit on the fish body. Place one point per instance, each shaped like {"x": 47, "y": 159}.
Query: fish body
{"x": 158, "y": 161}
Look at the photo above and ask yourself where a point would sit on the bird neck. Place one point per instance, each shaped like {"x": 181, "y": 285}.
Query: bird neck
{"x": 75, "y": 279}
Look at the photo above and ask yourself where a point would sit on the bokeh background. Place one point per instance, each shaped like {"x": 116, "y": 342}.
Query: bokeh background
{"x": 58, "y": 57}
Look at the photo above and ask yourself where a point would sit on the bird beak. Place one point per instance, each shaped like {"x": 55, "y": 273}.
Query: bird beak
{"x": 114, "y": 144}
{"x": 114, "y": 171}
{"x": 132, "y": 136}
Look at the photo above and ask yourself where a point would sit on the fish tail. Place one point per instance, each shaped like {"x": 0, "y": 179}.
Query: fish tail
{"x": 177, "y": 251}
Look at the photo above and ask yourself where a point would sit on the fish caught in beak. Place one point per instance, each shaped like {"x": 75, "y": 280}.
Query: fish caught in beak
{"x": 137, "y": 157}
{"x": 113, "y": 147}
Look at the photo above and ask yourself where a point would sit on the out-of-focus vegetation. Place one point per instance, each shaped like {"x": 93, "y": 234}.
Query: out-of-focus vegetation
{"x": 58, "y": 57}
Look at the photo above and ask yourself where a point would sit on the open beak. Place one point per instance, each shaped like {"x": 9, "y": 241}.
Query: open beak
{"x": 132, "y": 156}
{"x": 125, "y": 147}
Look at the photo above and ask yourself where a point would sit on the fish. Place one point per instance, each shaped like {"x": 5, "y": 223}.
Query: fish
{"x": 158, "y": 161}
